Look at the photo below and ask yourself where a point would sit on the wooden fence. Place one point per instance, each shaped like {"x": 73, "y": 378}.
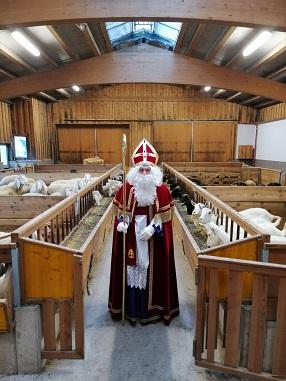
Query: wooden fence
{"x": 223, "y": 355}
{"x": 55, "y": 276}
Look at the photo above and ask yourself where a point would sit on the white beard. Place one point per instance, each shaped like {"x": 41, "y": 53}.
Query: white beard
{"x": 145, "y": 185}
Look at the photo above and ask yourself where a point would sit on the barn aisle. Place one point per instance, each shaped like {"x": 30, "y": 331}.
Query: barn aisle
{"x": 114, "y": 352}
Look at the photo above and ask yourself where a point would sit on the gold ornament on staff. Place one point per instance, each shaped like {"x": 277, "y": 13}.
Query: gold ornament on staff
{"x": 124, "y": 150}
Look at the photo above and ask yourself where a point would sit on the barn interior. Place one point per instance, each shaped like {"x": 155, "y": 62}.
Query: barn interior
{"x": 204, "y": 83}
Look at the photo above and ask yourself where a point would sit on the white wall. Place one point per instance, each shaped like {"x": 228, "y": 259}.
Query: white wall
{"x": 245, "y": 136}
{"x": 271, "y": 139}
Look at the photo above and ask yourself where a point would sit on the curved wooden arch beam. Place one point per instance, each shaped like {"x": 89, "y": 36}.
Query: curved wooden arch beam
{"x": 233, "y": 12}
{"x": 143, "y": 64}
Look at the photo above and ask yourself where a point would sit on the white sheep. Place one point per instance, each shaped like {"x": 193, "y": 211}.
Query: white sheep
{"x": 8, "y": 179}
{"x": 7, "y": 190}
{"x": 251, "y": 213}
{"x": 216, "y": 235}
{"x": 96, "y": 197}
{"x": 39, "y": 187}
{"x": 268, "y": 228}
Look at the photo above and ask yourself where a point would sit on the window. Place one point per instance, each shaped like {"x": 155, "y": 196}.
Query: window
{"x": 20, "y": 146}
{"x": 4, "y": 154}
{"x": 167, "y": 32}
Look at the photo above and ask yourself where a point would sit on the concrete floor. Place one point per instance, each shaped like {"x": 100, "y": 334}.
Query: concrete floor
{"x": 114, "y": 352}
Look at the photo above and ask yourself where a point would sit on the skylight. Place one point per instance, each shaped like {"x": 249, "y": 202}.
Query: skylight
{"x": 166, "y": 32}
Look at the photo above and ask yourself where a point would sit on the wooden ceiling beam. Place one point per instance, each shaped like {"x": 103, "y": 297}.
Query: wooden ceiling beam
{"x": 277, "y": 73}
{"x": 63, "y": 44}
{"x": 198, "y": 33}
{"x": 15, "y": 58}
{"x": 45, "y": 95}
{"x": 181, "y": 36}
{"x": 7, "y": 73}
{"x": 153, "y": 64}
{"x": 105, "y": 36}
{"x": 274, "y": 53}
{"x": 238, "y": 57}
{"x": 233, "y": 12}
{"x": 39, "y": 44}
{"x": 64, "y": 92}
{"x": 233, "y": 96}
{"x": 216, "y": 48}
{"x": 266, "y": 103}
{"x": 249, "y": 100}
{"x": 218, "y": 92}
{"x": 89, "y": 38}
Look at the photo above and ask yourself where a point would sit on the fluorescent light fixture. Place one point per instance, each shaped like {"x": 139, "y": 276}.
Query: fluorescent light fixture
{"x": 256, "y": 43}
{"x": 207, "y": 88}
{"x": 22, "y": 40}
{"x": 76, "y": 88}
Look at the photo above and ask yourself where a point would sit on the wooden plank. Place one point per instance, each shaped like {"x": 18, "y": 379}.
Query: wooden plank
{"x": 212, "y": 315}
{"x": 233, "y": 319}
{"x": 65, "y": 312}
{"x": 73, "y": 168}
{"x": 190, "y": 247}
{"x": 48, "y": 323}
{"x": 249, "y": 194}
{"x": 60, "y": 355}
{"x": 4, "y": 326}
{"x": 158, "y": 66}
{"x": 255, "y": 267}
{"x": 213, "y": 141}
{"x": 240, "y": 372}
{"x": 239, "y": 250}
{"x": 20, "y": 207}
{"x": 200, "y": 313}
{"x": 47, "y": 269}
{"x": 78, "y": 306}
{"x": 238, "y": 13}
{"x": 257, "y": 324}
{"x": 279, "y": 354}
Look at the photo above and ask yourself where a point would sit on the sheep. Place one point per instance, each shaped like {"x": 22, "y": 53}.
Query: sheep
{"x": 8, "y": 179}
{"x": 177, "y": 191}
{"x": 7, "y": 190}
{"x": 20, "y": 184}
{"x": 195, "y": 180}
{"x": 277, "y": 239}
{"x": 111, "y": 187}
{"x": 244, "y": 183}
{"x": 62, "y": 185}
{"x": 96, "y": 197}
{"x": 249, "y": 214}
{"x": 268, "y": 228}
{"x": 39, "y": 187}
{"x": 216, "y": 235}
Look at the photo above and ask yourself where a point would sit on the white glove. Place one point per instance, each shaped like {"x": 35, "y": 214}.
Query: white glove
{"x": 147, "y": 233}
{"x": 122, "y": 227}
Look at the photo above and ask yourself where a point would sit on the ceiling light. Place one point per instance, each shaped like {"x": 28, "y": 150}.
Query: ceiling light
{"x": 76, "y": 88}
{"x": 22, "y": 40}
{"x": 256, "y": 43}
{"x": 207, "y": 88}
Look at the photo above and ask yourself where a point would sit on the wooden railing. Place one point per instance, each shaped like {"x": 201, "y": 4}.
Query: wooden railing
{"x": 235, "y": 226}
{"x": 55, "y": 276}
{"x": 224, "y": 355}
{"x": 229, "y": 172}
{"x": 55, "y": 224}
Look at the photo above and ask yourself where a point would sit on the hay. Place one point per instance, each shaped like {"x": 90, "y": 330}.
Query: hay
{"x": 190, "y": 225}
{"x": 87, "y": 224}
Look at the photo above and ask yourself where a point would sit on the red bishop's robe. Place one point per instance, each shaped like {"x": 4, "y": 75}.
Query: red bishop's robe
{"x": 161, "y": 295}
